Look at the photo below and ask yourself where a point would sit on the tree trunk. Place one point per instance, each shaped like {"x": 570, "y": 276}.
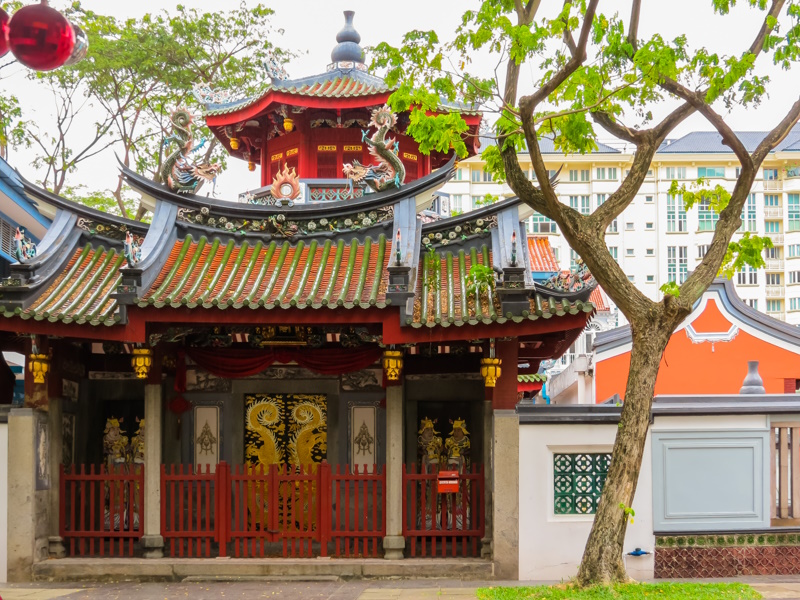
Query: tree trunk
{"x": 602, "y": 559}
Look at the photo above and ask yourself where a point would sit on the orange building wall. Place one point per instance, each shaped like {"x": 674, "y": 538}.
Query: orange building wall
{"x": 689, "y": 368}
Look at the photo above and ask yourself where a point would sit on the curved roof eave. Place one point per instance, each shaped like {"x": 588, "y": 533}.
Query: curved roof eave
{"x": 420, "y": 186}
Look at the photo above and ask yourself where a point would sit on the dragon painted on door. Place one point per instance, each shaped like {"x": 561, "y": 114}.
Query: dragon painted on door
{"x": 284, "y": 429}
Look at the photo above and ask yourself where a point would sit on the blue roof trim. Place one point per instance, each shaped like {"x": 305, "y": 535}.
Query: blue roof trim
{"x": 11, "y": 186}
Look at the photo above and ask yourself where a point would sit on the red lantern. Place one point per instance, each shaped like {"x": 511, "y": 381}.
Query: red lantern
{"x": 40, "y": 37}
{"x": 4, "y": 18}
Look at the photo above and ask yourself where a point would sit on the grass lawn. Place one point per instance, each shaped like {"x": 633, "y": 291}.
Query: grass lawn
{"x": 629, "y": 591}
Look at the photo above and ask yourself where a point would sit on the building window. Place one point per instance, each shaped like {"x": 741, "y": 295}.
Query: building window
{"x": 702, "y": 249}
{"x": 551, "y": 174}
{"x": 648, "y": 199}
{"x": 794, "y": 276}
{"x": 774, "y": 252}
{"x": 707, "y": 217}
{"x": 749, "y": 214}
{"x": 541, "y": 224}
{"x": 556, "y": 254}
{"x": 676, "y": 214}
{"x": 772, "y": 226}
{"x": 794, "y": 303}
{"x": 612, "y": 228}
{"x": 651, "y": 279}
{"x": 794, "y": 212}
{"x": 773, "y": 279}
{"x": 649, "y": 226}
{"x": 677, "y": 264}
{"x": 710, "y": 172}
{"x": 457, "y": 204}
{"x": 573, "y": 259}
{"x": 573, "y": 174}
{"x": 613, "y": 251}
{"x": 629, "y": 226}
{"x": 772, "y": 200}
{"x": 476, "y": 176}
{"x": 752, "y": 303}
{"x": 580, "y": 203}
{"x": 774, "y": 306}
{"x": 650, "y": 252}
{"x": 738, "y": 172}
{"x": 607, "y": 174}
{"x": 794, "y": 250}
{"x": 585, "y": 175}
{"x": 628, "y": 251}
{"x": 747, "y": 276}
{"x": 600, "y": 199}
{"x": 632, "y": 278}
{"x": 676, "y": 172}
{"x": 459, "y": 175}
{"x": 770, "y": 174}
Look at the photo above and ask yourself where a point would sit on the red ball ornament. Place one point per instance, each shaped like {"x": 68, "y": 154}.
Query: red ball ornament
{"x": 4, "y": 18}
{"x": 40, "y": 37}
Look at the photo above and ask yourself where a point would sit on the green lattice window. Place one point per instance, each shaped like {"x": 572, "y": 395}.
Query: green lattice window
{"x": 578, "y": 481}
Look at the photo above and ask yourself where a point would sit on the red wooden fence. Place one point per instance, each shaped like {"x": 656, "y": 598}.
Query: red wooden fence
{"x": 282, "y": 511}
{"x": 101, "y": 512}
{"x": 434, "y": 522}
{"x": 189, "y": 509}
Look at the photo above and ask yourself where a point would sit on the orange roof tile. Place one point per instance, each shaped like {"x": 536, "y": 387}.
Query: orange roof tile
{"x": 543, "y": 259}
{"x": 598, "y": 298}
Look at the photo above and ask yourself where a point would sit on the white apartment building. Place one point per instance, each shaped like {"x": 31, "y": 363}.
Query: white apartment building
{"x": 655, "y": 239}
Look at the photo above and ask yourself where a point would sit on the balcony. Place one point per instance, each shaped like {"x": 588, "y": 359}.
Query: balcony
{"x": 773, "y": 264}
{"x": 773, "y": 212}
{"x": 777, "y": 315}
{"x": 773, "y": 185}
{"x": 777, "y": 238}
{"x": 775, "y": 291}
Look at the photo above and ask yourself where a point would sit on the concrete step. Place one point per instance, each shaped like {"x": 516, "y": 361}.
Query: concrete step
{"x": 299, "y": 569}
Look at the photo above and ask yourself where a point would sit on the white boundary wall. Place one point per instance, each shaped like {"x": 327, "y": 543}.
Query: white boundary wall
{"x": 3, "y": 502}
{"x": 550, "y": 545}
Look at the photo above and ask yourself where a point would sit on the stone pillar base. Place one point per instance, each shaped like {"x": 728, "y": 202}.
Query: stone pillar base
{"x": 153, "y": 546}
{"x": 55, "y": 547}
{"x": 393, "y": 546}
{"x": 486, "y": 547}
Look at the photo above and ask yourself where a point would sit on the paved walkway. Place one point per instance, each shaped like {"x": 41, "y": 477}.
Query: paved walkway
{"x": 785, "y": 588}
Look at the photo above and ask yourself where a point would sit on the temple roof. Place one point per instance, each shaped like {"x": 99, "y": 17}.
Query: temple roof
{"x": 361, "y": 256}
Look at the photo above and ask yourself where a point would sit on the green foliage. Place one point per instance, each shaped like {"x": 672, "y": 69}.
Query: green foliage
{"x": 138, "y": 71}
{"x": 671, "y": 288}
{"x": 747, "y": 250}
{"x": 480, "y": 279}
{"x": 717, "y": 197}
{"x": 624, "y": 591}
{"x": 486, "y": 200}
{"x": 432, "y": 270}
{"x": 629, "y": 512}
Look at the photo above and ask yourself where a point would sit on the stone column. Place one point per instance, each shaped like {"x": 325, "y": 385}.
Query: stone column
{"x": 394, "y": 543}
{"x": 55, "y": 429}
{"x": 152, "y": 541}
{"x": 22, "y": 497}
{"x": 488, "y": 443}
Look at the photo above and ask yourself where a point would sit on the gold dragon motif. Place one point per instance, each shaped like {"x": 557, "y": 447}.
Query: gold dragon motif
{"x": 259, "y": 417}
{"x": 301, "y": 447}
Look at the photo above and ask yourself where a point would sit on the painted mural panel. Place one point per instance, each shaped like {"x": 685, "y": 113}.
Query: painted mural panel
{"x": 285, "y": 429}
{"x": 363, "y": 432}
{"x": 206, "y": 436}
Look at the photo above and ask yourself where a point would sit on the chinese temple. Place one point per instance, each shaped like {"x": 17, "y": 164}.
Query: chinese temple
{"x": 311, "y": 369}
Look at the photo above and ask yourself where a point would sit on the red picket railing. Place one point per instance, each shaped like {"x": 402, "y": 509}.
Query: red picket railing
{"x": 285, "y": 510}
{"x": 189, "y": 511}
{"x": 101, "y": 511}
{"x": 434, "y": 522}
{"x": 358, "y": 500}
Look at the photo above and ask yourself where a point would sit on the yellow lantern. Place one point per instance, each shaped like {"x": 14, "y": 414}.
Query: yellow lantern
{"x": 39, "y": 365}
{"x": 490, "y": 370}
{"x": 288, "y": 125}
{"x": 234, "y": 143}
{"x": 141, "y": 361}
{"x": 393, "y": 364}
{"x": 251, "y": 166}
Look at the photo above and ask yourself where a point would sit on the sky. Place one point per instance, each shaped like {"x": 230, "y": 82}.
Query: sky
{"x": 310, "y": 27}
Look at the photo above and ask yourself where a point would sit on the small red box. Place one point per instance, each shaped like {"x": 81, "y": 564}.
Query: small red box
{"x": 447, "y": 483}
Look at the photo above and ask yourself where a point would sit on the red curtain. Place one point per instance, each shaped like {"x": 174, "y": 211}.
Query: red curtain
{"x": 235, "y": 363}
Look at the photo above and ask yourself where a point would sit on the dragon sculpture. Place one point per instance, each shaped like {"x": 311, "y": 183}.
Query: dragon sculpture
{"x": 389, "y": 172}
{"x": 571, "y": 281}
{"x": 182, "y": 173}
